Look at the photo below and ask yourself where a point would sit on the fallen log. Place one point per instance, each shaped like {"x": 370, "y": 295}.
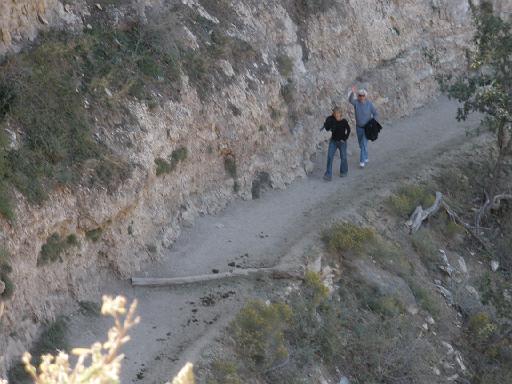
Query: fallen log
{"x": 420, "y": 214}
{"x": 250, "y": 272}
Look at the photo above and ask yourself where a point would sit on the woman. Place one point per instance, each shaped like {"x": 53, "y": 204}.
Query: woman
{"x": 340, "y": 130}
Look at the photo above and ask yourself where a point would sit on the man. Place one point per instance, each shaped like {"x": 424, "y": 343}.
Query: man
{"x": 340, "y": 131}
{"x": 365, "y": 111}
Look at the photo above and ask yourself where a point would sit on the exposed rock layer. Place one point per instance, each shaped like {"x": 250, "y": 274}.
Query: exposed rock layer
{"x": 378, "y": 43}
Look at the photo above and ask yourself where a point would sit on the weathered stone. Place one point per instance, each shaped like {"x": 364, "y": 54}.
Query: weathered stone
{"x": 332, "y": 48}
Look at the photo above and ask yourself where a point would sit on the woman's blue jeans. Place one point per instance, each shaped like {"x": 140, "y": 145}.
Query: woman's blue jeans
{"x": 333, "y": 146}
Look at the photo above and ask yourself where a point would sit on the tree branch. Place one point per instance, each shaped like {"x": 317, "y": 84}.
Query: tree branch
{"x": 419, "y": 214}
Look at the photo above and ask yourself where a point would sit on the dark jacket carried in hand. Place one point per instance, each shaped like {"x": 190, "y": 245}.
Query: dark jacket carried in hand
{"x": 372, "y": 129}
{"x": 340, "y": 129}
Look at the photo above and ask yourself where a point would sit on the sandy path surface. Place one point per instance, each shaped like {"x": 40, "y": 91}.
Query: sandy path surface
{"x": 178, "y": 322}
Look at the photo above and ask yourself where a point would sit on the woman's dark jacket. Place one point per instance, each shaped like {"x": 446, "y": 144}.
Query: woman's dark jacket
{"x": 340, "y": 129}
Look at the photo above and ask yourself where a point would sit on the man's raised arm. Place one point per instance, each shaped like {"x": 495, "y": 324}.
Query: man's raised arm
{"x": 351, "y": 98}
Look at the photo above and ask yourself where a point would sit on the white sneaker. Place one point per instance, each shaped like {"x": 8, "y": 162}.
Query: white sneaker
{"x": 362, "y": 165}
{"x": 366, "y": 161}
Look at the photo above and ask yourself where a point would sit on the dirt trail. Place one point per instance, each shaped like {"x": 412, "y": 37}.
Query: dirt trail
{"x": 178, "y": 322}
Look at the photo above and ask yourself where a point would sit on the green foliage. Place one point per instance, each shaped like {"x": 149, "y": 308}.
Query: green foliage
{"x": 315, "y": 329}
{"x": 259, "y": 333}
{"x": 52, "y": 250}
{"x": 383, "y": 305}
{"x": 481, "y": 327}
{"x": 94, "y": 234}
{"x": 224, "y": 372}
{"x": 347, "y": 237}
{"x": 288, "y": 92}
{"x": 275, "y": 114}
{"x": 487, "y": 85}
{"x": 387, "y": 306}
{"x": 424, "y": 244}
{"x": 5, "y": 202}
{"x": 51, "y": 340}
{"x": 164, "y": 166}
{"x": 5, "y": 270}
{"x": 44, "y": 92}
{"x": 230, "y": 166}
{"x": 312, "y": 7}
{"x": 7, "y": 97}
{"x": 408, "y": 197}
{"x": 426, "y": 300}
{"x": 90, "y": 308}
{"x": 285, "y": 65}
{"x": 492, "y": 288}
{"x": 391, "y": 257}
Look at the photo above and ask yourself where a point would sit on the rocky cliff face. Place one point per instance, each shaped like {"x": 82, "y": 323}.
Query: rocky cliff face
{"x": 260, "y": 127}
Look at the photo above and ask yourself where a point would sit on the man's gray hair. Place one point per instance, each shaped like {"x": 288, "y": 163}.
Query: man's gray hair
{"x": 362, "y": 92}
{"x": 337, "y": 109}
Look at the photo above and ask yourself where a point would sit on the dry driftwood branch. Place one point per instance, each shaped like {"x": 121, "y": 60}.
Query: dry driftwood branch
{"x": 471, "y": 230}
{"x": 496, "y": 201}
{"x": 420, "y": 214}
{"x": 274, "y": 273}
{"x": 493, "y": 203}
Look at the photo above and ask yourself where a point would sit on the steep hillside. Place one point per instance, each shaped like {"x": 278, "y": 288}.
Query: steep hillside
{"x": 125, "y": 121}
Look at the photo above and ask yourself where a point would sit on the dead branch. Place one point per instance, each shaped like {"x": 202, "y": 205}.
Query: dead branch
{"x": 490, "y": 204}
{"x": 469, "y": 229}
{"x": 482, "y": 212}
{"x": 419, "y": 214}
{"x": 274, "y": 273}
{"x": 496, "y": 201}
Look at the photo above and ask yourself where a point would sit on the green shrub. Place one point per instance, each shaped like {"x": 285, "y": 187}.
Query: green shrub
{"x": 387, "y": 306}
{"x": 452, "y": 229}
{"x": 90, "y": 308}
{"x": 347, "y": 237}
{"x": 162, "y": 166}
{"x": 230, "y": 166}
{"x": 5, "y": 270}
{"x": 94, "y": 234}
{"x": 408, "y": 197}
{"x": 275, "y": 114}
{"x": 7, "y": 98}
{"x": 167, "y": 166}
{"x": 391, "y": 257}
{"x": 481, "y": 327}
{"x": 44, "y": 92}
{"x": 424, "y": 298}
{"x": 424, "y": 244}
{"x": 224, "y": 372}
{"x": 5, "y": 202}
{"x": 53, "y": 248}
{"x": 178, "y": 155}
{"x": 259, "y": 333}
{"x": 285, "y": 65}
{"x": 288, "y": 92}
{"x": 51, "y": 340}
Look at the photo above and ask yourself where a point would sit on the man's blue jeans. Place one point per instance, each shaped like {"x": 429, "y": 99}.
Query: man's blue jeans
{"x": 363, "y": 145}
{"x": 333, "y": 146}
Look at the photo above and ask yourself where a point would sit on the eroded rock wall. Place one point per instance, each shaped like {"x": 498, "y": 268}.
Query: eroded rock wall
{"x": 382, "y": 44}
{"x": 22, "y": 20}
